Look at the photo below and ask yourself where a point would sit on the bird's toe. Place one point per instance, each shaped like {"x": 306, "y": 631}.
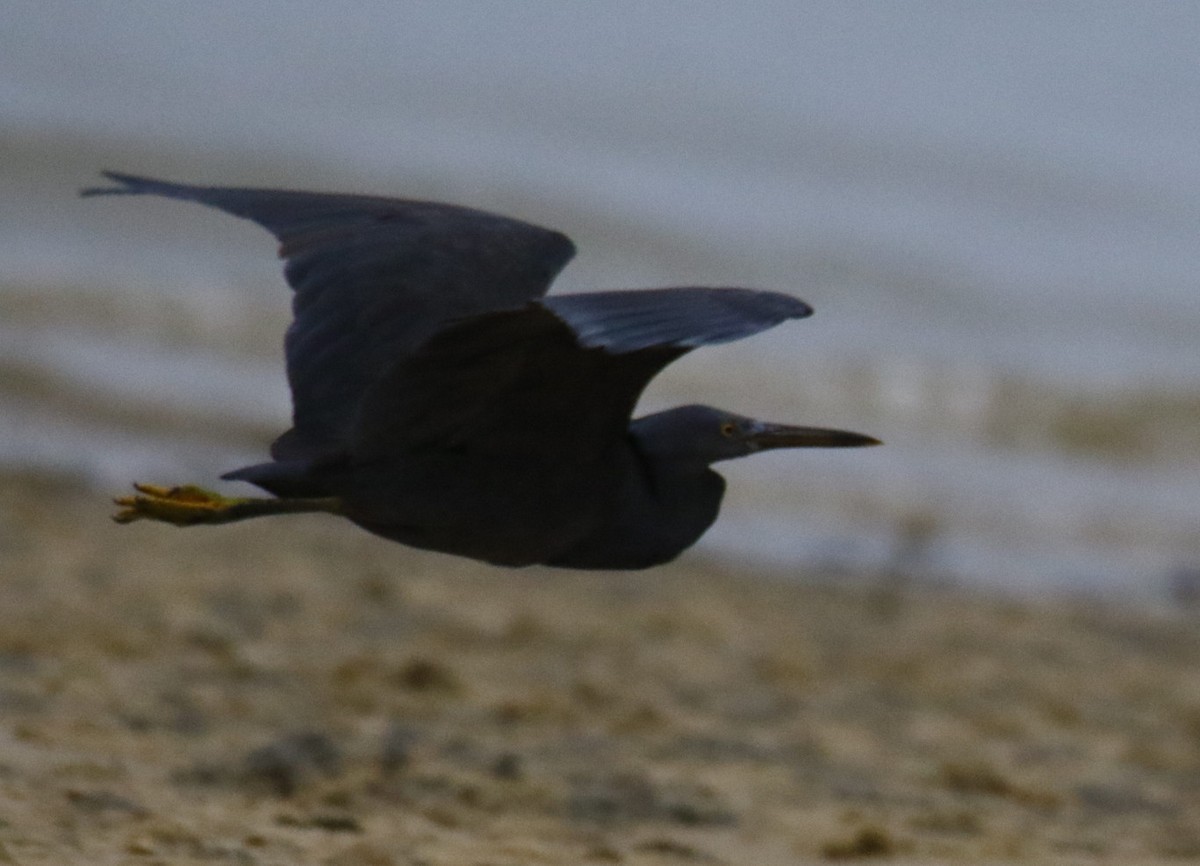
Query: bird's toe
{"x": 181, "y": 506}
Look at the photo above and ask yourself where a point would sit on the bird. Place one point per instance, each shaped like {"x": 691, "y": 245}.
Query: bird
{"x": 442, "y": 400}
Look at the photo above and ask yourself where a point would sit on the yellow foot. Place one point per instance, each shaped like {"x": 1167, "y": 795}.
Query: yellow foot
{"x": 181, "y": 506}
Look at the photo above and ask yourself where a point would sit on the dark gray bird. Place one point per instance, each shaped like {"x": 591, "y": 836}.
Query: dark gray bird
{"x": 441, "y": 401}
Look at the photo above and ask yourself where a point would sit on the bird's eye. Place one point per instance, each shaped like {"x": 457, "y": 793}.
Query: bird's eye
{"x": 728, "y": 429}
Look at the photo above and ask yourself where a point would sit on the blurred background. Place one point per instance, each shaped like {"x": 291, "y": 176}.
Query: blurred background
{"x": 992, "y": 207}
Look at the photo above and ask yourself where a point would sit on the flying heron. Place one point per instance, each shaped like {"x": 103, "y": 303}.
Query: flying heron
{"x": 440, "y": 400}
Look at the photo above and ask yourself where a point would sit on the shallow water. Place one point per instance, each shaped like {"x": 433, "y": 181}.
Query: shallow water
{"x": 993, "y": 211}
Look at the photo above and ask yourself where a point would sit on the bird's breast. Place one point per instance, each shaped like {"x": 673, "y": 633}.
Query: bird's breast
{"x": 655, "y": 517}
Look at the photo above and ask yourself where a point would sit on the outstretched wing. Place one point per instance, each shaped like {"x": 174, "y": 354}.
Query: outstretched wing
{"x": 374, "y": 278}
{"x": 558, "y": 378}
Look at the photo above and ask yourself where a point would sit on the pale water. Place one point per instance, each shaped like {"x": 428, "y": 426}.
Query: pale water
{"x": 994, "y": 209}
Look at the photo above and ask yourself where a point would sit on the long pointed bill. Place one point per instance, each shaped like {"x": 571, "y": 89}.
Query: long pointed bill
{"x": 785, "y": 436}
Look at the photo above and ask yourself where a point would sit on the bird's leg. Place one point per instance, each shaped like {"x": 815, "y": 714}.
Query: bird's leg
{"x": 190, "y": 505}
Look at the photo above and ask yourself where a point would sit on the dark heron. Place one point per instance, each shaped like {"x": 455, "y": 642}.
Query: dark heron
{"x": 441, "y": 401}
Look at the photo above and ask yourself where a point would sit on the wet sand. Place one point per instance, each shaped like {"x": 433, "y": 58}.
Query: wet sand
{"x": 296, "y": 691}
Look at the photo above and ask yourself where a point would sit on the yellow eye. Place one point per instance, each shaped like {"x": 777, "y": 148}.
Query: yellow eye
{"x": 728, "y": 429}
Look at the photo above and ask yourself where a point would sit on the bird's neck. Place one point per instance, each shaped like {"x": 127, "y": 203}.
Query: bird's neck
{"x": 683, "y": 493}
{"x": 659, "y": 509}
{"x": 665, "y": 449}
{"x": 686, "y": 498}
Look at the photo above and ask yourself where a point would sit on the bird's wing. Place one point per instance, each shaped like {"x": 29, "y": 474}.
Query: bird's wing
{"x": 558, "y": 378}
{"x": 373, "y": 278}
{"x": 681, "y": 317}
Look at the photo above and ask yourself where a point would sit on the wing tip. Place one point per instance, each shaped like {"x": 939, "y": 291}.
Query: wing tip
{"x": 771, "y": 304}
{"x": 786, "y": 306}
{"x": 683, "y": 317}
{"x": 129, "y": 184}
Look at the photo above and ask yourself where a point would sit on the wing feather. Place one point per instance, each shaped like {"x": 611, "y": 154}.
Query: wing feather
{"x": 556, "y": 380}
{"x": 684, "y": 317}
{"x": 373, "y": 278}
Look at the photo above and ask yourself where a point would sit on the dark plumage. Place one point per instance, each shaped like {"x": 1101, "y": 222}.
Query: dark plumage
{"x": 441, "y": 401}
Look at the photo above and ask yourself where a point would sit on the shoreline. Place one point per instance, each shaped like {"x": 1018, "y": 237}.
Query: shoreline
{"x": 295, "y": 690}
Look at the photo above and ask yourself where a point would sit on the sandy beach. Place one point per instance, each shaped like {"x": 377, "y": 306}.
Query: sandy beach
{"x": 296, "y": 691}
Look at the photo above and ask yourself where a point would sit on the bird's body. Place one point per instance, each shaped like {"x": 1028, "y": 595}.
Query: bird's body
{"x": 618, "y": 510}
{"x": 601, "y": 514}
{"x": 441, "y": 401}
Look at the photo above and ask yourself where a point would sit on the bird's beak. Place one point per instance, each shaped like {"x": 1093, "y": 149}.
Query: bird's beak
{"x": 765, "y": 436}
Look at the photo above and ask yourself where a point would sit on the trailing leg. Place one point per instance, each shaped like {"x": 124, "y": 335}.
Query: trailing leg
{"x": 190, "y": 506}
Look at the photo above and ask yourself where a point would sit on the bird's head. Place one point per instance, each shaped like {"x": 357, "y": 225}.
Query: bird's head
{"x": 701, "y": 435}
